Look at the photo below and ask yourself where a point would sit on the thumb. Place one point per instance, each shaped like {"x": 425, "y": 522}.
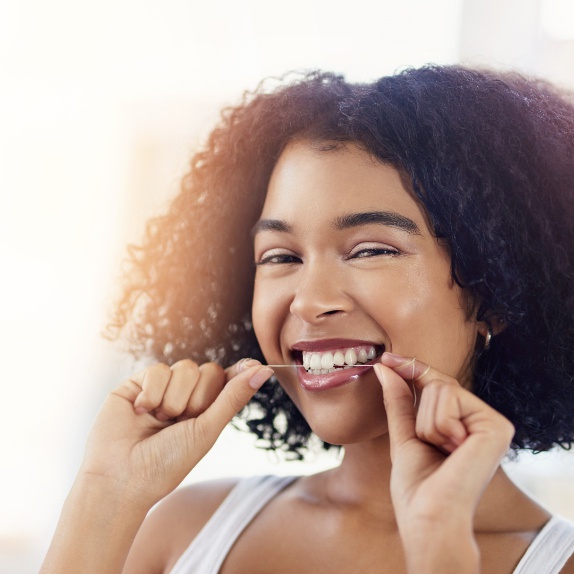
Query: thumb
{"x": 398, "y": 405}
{"x": 234, "y": 396}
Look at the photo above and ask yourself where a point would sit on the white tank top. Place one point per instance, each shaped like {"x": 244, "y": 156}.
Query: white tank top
{"x": 547, "y": 554}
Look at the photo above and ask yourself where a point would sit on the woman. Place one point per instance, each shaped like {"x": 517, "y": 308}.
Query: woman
{"x": 414, "y": 257}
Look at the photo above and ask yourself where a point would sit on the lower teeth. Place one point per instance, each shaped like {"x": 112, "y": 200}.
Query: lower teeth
{"x": 327, "y": 371}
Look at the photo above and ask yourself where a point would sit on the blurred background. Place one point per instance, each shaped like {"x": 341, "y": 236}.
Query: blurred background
{"x": 101, "y": 104}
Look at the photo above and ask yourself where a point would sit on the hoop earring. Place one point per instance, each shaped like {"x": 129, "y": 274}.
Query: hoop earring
{"x": 487, "y": 339}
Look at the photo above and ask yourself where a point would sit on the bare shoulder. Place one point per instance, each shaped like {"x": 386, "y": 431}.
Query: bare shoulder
{"x": 569, "y": 566}
{"x": 173, "y": 523}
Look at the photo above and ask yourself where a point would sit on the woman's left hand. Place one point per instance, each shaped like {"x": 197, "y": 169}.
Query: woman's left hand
{"x": 444, "y": 454}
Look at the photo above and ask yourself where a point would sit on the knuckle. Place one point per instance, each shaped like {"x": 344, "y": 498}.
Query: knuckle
{"x": 212, "y": 370}
{"x": 170, "y": 408}
{"x": 451, "y": 381}
{"x": 195, "y": 406}
{"x": 146, "y": 401}
{"x": 444, "y": 427}
{"x": 157, "y": 374}
{"x": 423, "y": 433}
{"x": 186, "y": 365}
{"x": 159, "y": 368}
{"x": 435, "y": 385}
{"x": 131, "y": 386}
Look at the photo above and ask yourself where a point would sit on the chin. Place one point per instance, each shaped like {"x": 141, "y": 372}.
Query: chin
{"x": 345, "y": 432}
{"x": 344, "y": 415}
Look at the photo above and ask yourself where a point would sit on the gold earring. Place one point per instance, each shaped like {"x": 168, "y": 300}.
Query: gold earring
{"x": 487, "y": 338}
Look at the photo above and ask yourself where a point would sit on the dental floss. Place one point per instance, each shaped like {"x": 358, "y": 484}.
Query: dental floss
{"x": 302, "y": 367}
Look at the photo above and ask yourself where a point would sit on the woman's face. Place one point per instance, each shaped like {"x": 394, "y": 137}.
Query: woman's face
{"x": 346, "y": 268}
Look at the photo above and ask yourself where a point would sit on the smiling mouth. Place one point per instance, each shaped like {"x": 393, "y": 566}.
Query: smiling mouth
{"x": 337, "y": 359}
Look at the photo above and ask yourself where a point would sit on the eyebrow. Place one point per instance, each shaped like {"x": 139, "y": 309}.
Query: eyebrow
{"x": 388, "y": 218}
{"x": 347, "y": 221}
{"x": 271, "y": 225}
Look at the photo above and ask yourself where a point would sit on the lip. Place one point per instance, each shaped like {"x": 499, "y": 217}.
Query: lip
{"x": 328, "y": 344}
{"x": 316, "y": 383}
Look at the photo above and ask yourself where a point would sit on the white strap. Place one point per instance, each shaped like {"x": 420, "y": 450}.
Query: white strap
{"x": 210, "y": 547}
{"x": 550, "y": 550}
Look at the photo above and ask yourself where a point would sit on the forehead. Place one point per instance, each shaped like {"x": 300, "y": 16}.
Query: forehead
{"x": 307, "y": 178}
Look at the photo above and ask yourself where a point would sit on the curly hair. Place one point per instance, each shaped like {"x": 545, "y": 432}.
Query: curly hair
{"x": 489, "y": 155}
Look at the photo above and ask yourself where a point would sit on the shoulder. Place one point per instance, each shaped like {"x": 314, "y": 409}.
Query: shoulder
{"x": 569, "y": 566}
{"x": 173, "y": 523}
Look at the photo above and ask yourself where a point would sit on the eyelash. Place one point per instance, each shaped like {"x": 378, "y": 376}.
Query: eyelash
{"x": 374, "y": 252}
{"x": 287, "y": 258}
{"x": 279, "y": 259}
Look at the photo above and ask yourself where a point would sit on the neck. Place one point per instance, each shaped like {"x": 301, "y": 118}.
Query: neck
{"x": 362, "y": 483}
{"x": 362, "y": 480}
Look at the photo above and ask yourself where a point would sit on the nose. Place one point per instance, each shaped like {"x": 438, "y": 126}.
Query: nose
{"x": 319, "y": 294}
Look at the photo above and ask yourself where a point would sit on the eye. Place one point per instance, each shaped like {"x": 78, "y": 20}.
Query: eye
{"x": 277, "y": 257}
{"x": 362, "y": 251}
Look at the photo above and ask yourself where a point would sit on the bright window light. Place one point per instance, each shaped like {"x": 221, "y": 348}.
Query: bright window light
{"x": 557, "y": 19}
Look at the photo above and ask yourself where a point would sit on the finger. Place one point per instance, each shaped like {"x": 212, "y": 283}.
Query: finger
{"x": 426, "y": 414}
{"x": 234, "y": 396}
{"x": 210, "y": 383}
{"x": 241, "y": 365}
{"x": 184, "y": 377}
{"x": 154, "y": 381}
{"x": 449, "y": 422}
{"x": 411, "y": 369}
{"x": 488, "y": 441}
{"x": 398, "y": 405}
{"x": 439, "y": 420}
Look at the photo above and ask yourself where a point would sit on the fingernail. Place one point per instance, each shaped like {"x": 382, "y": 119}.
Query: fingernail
{"x": 246, "y": 363}
{"x": 140, "y": 410}
{"x": 260, "y": 377}
{"x": 378, "y": 368}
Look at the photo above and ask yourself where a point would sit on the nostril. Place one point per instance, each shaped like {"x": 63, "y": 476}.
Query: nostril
{"x": 312, "y": 303}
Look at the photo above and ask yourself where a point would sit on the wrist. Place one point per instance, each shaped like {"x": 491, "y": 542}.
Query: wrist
{"x": 107, "y": 494}
{"x": 99, "y": 521}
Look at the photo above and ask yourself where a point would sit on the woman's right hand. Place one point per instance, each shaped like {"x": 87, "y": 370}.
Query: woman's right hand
{"x": 444, "y": 454}
{"x": 158, "y": 424}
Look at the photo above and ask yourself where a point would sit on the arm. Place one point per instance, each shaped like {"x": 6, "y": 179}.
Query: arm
{"x": 98, "y": 523}
{"x": 152, "y": 430}
{"x": 443, "y": 456}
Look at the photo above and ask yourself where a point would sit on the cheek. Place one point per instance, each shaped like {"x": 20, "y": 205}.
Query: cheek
{"x": 268, "y": 314}
{"x": 426, "y": 316}
{"x": 269, "y": 309}
{"x": 396, "y": 299}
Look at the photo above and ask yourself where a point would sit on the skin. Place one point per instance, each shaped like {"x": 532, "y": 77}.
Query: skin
{"x": 372, "y": 282}
{"x": 419, "y": 489}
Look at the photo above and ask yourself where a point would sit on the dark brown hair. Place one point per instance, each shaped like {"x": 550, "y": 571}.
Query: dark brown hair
{"x": 489, "y": 155}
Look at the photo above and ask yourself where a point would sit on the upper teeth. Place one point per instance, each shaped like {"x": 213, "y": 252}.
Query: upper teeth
{"x": 337, "y": 358}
